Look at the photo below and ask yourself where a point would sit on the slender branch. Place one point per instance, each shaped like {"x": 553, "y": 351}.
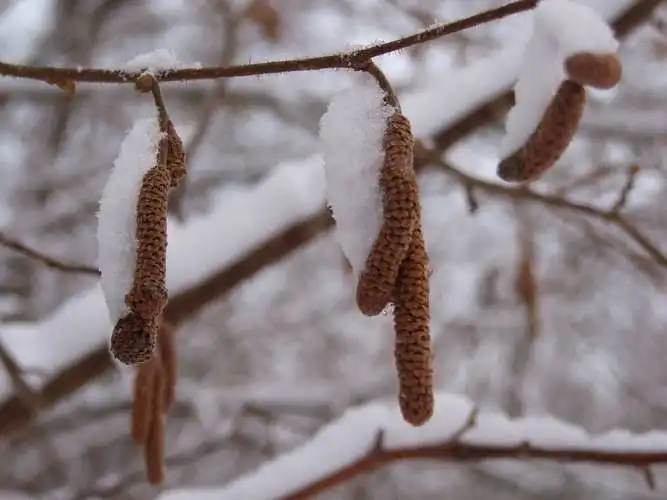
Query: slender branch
{"x": 458, "y": 451}
{"x": 552, "y": 201}
{"x": 47, "y": 260}
{"x": 350, "y": 60}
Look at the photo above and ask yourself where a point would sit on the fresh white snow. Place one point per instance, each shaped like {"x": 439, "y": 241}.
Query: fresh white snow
{"x": 116, "y": 229}
{"x": 356, "y": 432}
{"x": 560, "y": 29}
{"x": 351, "y": 133}
{"x": 159, "y": 59}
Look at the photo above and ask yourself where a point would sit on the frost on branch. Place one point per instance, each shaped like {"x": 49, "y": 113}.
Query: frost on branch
{"x": 571, "y": 46}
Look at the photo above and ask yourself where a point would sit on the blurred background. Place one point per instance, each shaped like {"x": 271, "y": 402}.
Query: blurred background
{"x": 536, "y": 308}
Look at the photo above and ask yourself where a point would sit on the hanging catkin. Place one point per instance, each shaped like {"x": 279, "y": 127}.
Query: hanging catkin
{"x": 154, "y": 447}
{"x": 134, "y": 337}
{"x": 552, "y": 137}
{"x": 412, "y": 350}
{"x": 167, "y": 349}
{"x": 400, "y": 204}
{"x": 145, "y": 385}
{"x": 602, "y": 71}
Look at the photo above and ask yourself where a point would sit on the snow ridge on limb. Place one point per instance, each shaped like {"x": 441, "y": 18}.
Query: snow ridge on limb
{"x": 571, "y": 46}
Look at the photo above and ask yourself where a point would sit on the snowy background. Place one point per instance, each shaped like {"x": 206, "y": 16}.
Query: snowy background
{"x": 274, "y": 356}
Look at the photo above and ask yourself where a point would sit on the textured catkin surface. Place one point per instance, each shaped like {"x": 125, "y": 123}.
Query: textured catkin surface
{"x": 133, "y": 339}
{"x": 400, "y": 204}
{"x": 176, "y": 157}
{"x": 552, "y": 137}
{"x": 412, "y": 350}
{"x": 602, "y": 71}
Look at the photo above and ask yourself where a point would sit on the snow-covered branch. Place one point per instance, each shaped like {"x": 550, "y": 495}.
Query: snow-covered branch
{"x": 373, "y": 436}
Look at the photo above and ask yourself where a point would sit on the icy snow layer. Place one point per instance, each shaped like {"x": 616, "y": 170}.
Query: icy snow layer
{"x": 293, "y": 191}
{"x": 351, "y": 133}
{"x": 560, "y": 29}
{"x": 116, "y": 228}
{"x": 354, "y": 435}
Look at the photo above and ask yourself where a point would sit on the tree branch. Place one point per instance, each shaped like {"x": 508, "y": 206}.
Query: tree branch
{"x": 48, "y": 261}
{"x": 349, "y": 60}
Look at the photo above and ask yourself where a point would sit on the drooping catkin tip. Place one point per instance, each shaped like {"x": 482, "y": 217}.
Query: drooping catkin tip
{"x": 602, "y": 71}
{"x": 400, "y": 210}
{"x": 412, "y": 350}
{"x": 512, "y": 168}
{"x": 133, "y": 339}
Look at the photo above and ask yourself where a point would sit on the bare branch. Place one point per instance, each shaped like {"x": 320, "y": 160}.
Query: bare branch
{"x": 47, "y": 260}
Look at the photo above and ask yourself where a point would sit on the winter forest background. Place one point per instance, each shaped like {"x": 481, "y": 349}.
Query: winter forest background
{"x": 543, "y": 302}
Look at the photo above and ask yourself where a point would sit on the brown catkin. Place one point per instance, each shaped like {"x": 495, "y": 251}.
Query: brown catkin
{"x": 154, "y": 448}
{"x": 412, "y": 350}
{"x": 400, "y": 204}
{"x": 133, "y": 339}
{"x": 552, "y": 137}
{"x": 167, "y": 348}
{"x": 145, "y": 382}
{"x": 148, "y": 296}
{"x": 176, "y": 157}
{"x": 602, "y": 71}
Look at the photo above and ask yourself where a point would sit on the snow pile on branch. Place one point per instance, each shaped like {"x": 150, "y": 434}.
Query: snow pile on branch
{"x": 117, "y": 224}
{"x": 561, "y": 28}
{"x": 374, "y": 431}
{"x": 155, "y": 61}
{"x": 351, "y": 132}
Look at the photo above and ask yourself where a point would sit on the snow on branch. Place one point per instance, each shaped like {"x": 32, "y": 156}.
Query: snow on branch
{"x": 369, "y": 437}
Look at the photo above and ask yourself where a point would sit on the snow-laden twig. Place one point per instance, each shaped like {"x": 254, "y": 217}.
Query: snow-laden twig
{"x": 372, "y": 436}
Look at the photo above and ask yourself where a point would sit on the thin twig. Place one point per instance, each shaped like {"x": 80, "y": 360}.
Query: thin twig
{"x": 349, "y": 60}
{"x": 526, "y": 193}
{"x": 47, "y": 260}
{"x": 627, "y": 188}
